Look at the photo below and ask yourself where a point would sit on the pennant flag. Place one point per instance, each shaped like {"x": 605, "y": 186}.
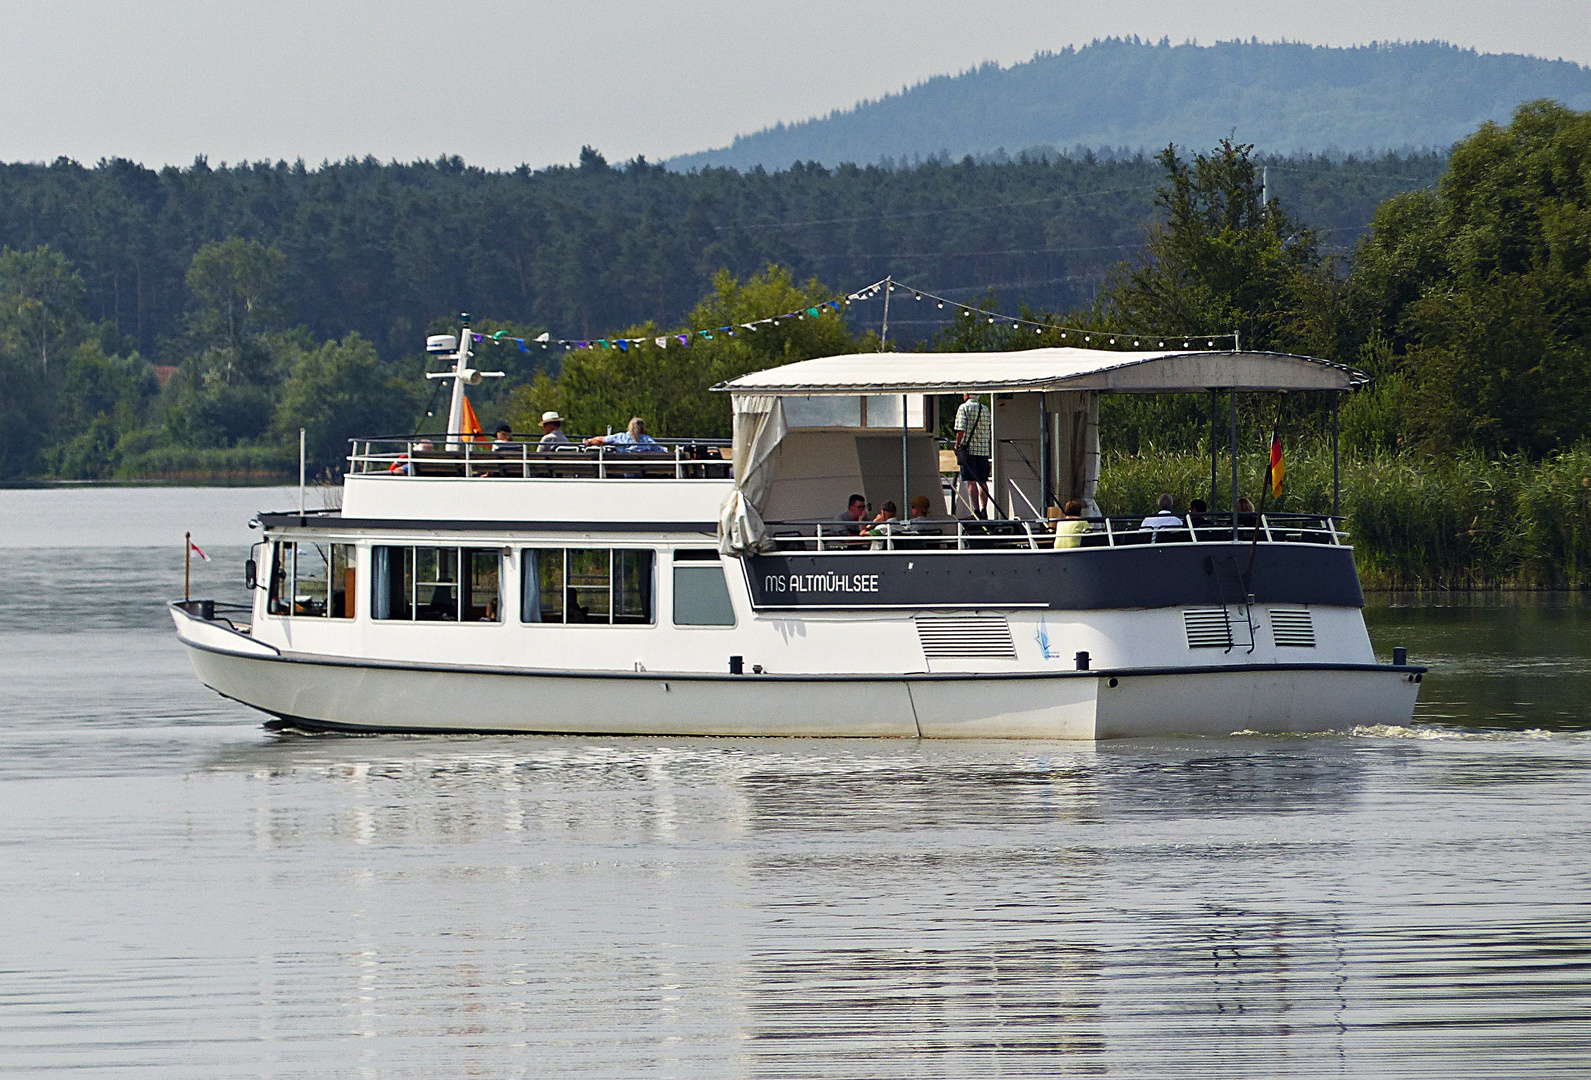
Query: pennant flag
{"x": 813, "y": 312}
{"x": 1278, "y": 468}
{"x": 624, "y": 346}
{"x": 198, "y": 552}
{"x": 684, "y": 339}
{"x": 545, "y": 337}
{"x": 470, "y": 424}
{"x": 476, "y": 337}
{"x": 522, "y": 346}
{"x": 661, "y": 342}
{"x": 582, "y": 344}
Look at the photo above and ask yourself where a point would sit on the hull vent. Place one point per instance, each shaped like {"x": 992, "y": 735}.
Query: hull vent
{"x": 1207, "y": 628}
{"x": 965, "y": 637}
{"x": 1292, "y": 629}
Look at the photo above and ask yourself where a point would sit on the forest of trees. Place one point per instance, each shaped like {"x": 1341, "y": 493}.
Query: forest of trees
{"x": 1129, "y": 94}
{"x": 299, "y": 302}
{"x": 116, "y": 272}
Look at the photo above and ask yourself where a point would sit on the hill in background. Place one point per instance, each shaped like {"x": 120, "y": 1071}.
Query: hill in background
{"x": 1123, "y": 93}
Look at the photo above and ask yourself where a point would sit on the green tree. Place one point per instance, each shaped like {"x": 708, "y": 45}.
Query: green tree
{"x": 1481, "y": 291}
{"x": 41, "y": 305}
{"x": 237, "y": 287}
{"x": 1223, "y": 260}
{"x": 338, "y": 391}
{"x": 670, "y": 386}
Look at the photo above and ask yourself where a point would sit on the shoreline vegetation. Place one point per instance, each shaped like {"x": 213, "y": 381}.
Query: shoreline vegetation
{"x": 1467, "y": 301}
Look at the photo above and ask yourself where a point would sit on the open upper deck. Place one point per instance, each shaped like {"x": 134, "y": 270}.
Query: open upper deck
{"x": 473, "y": 457}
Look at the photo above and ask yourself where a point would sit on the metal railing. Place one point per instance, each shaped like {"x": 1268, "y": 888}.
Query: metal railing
{"x": 1021, "y": 534}
{"x": 669, "y": 459}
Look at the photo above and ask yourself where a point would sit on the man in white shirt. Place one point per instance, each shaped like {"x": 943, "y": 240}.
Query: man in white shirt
{"x": 1162, "y": 518}
{"x": 552, "y": 436}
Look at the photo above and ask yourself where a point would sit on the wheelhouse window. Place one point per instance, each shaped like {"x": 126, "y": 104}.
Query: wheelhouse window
{"x": 701, "y": 595}
{"x": 601, "y": 586}
{"x": 311, "y": 578}
{"x": 436, "y": 584}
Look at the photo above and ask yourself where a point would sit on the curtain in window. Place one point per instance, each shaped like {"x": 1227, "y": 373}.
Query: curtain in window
{"x": 529, "y": 586}
{"x": 381, "y": 583}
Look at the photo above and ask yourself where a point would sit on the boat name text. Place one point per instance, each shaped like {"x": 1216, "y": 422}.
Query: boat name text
{"x": 820, "y": 583}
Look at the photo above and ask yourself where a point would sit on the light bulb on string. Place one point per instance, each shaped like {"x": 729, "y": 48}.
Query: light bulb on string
{"x": 941, "y": 305}
{"x": 917, "y": 296}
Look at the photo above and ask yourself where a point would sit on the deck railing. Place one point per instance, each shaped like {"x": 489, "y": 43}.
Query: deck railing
{"x": 670, "y": 459}
{"x": 939, "y": 534}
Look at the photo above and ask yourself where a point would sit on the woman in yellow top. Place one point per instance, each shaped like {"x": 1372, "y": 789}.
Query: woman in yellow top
{"x": 1070, "y": 527}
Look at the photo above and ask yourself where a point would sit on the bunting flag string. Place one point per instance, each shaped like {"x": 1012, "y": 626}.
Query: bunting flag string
{"x": 1138, "y": 339}
{"x": 1085, "y": 336}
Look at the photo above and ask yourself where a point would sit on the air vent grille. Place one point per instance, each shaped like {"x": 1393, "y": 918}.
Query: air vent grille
{"x": 1207, "y": 628}
{"x": 965, "y": 637}
{"x": 1292, "y": 629}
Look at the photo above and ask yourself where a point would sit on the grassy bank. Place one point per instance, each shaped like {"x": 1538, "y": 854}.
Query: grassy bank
{"x": 1416, "y": 521}
{"x": 220, "y": 465}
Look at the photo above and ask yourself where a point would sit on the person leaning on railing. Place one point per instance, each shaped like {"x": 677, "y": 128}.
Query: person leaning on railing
{"x": 552, "y": 436}
{"x": 633, "y": 439}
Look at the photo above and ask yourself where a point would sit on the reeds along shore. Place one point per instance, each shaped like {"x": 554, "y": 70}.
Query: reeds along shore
{"x": 1417, "y": 521}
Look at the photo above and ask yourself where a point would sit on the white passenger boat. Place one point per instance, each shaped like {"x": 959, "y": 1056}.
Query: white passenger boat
{"x": 700, "y": 589}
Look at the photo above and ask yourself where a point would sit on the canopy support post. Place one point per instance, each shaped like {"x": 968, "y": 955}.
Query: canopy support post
{"x": 1045, "y": 467}
{"x": 1215, "y": 404}
{"x": 905, "y": 471}
{"x": 1336, "y": 460}
{"x": 1231, "y": 397}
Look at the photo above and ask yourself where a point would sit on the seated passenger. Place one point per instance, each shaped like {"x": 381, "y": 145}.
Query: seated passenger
{"x": 1163, "y": 518}
{"x": 881, "y": 525}
{"x": 1070, "y": 527}
{"x": 632, "y": 439}
{"x": 552, "y": 436}
{"x": 1196, "y": 511}
{"x": 917, "y": 519}
{"x": 404, "y": 465}
{"x": 855, "y": 510}
{"x": 502, "y": 437}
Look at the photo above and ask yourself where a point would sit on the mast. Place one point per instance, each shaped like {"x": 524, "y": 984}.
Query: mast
{"x": 461, "y": 375}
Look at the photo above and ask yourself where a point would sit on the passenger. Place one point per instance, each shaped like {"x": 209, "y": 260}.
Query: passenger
{"x": 404, "y": 465}
{"x": 880, "y": 527}
{"x": 503, "y": 437}
{"x": 1246, "y": 517}
{"x": 1069, "y": 529}
{"x": 1197, "y": 509}
{"x": 917, "y": 510}
{"x": 552, "y": 436}
{"x": 855, "y": 510}
{"x": 632, "y": 439}
{"x": 1163, "y": 518}
{"x": 973, "y": 450}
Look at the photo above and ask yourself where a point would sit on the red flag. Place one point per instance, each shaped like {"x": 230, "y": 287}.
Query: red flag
{"x": 198, "y": 552}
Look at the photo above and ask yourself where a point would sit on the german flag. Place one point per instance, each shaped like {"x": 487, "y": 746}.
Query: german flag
{"x": 1278, "y": 468}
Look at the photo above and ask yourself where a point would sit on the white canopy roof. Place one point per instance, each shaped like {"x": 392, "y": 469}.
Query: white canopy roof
{"x": 1048, "y": 369}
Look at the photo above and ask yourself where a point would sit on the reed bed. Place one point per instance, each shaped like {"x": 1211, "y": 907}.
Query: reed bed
{"x": 1416, "y": 520}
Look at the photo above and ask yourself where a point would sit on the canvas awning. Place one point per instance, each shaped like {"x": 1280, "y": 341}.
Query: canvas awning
{"x": 1048, "y": 369}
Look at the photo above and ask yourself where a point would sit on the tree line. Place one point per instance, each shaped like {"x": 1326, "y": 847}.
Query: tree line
{"x": 189, "y": 321}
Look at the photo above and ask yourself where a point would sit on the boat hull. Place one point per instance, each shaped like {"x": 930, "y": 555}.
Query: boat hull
{"x": 354, "y": 695}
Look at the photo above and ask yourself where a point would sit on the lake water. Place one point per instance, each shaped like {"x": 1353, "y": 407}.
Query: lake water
{"x": 187, "y": 895}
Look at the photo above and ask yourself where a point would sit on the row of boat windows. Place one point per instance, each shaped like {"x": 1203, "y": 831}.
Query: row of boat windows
{"x": 602, "y": 586}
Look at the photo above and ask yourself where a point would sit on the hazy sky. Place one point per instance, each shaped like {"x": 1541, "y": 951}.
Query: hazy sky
{"x": 502, "y": 83}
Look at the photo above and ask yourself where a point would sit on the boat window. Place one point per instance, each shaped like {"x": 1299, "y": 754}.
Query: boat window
{"x": 310, "y": 578}
{"x": 701, "y": 596}
{"x": 883, "y": 411}
{"x": 436, "y": 584}
{"x": 822, "y": 410}
{"x": 607, "y": 586}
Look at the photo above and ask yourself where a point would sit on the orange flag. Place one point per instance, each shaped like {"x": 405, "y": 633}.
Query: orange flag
{"x": 1278, "y": 467}
{"x": 471, "y": 423}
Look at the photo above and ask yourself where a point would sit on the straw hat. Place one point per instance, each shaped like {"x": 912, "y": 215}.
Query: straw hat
{"x": 551, "y": 417}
